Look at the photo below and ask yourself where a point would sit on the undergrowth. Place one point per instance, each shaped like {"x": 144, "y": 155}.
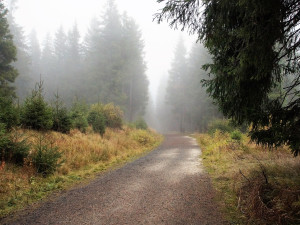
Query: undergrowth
{"x": 82, "y": 157}
{"x": 255, "y": 185}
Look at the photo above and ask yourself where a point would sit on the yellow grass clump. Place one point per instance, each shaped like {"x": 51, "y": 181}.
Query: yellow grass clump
{"x": 255, "y": 185}
{"x": 83, "y": 156}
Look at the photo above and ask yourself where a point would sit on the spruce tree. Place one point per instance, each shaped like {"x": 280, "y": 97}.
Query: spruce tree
{"x": 135, "y": 81}
{"x": 23, "y": 81}
{"x": 8, "y": 51}
{"x": 255, "y": 45}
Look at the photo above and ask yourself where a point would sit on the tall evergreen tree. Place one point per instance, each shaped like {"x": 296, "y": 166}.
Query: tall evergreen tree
{"x": 135, "y": 81}
{"x": 47, "y": 66}
{"x": 176, "y": 89}
{"x": 255, "y": 45}
{"x": 22, "y": 63}
{"x": 8, "y": 51}
{"x": 35, "y": 56}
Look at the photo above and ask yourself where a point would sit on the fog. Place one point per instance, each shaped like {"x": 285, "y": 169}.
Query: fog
{"x": 43, "y": 28}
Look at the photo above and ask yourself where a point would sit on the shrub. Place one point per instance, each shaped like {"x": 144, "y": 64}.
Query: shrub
{"x": 36, "y": 113}
{"x": 79, "y": 115}
{"x": 62, "y": 121}
{"x": 96, "y": 119}
{"x": 236, "y": 135}
{"x": 46, "y": 158}
{"x": 13, "y": 148}
{"x": 141, "y": 124}
{"x": 222, "y": 125}
{"x": 61, "y": 118}
{"x": 8, "y": 113}
{"x": 113, "y": 115}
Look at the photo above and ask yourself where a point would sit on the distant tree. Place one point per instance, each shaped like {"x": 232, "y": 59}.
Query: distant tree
{"x": 255, "y": 45}
{"x": 176, "y": 89}
{"x": 135, "y": 81}
{"x": 72, "y": 80}
{"x": 22, "y": 63}
{"x": 60, "y": 52}
{"x": 47, "y": 65}
{"x": 8, "y": 73}
{"x": 35, "y": 56}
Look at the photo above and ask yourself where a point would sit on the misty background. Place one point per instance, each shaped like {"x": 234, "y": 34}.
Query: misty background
{"x": 112, "y": 51}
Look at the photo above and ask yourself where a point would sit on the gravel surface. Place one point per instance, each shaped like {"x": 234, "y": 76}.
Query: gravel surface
{"x": 167, "y": 186}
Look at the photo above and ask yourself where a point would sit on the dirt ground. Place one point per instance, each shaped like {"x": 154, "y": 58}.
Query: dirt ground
{"x": 167, "y": 186}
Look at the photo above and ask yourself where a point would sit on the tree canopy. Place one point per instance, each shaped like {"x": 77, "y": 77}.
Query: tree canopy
{"x": 254, "y": 74}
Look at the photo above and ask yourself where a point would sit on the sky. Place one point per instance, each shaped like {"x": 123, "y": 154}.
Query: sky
{"x": 160, "y": 40}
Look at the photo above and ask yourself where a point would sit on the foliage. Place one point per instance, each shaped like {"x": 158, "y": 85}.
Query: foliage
{"x": 79, "y": 115}
{"x": 113, "y": 115}
{"x": 96, "y": 118}
{"x": 61, "y": 118}
{"x": 141, "y": 124}
{"x": 254, "y": 185}
{"x": 221, "y": 125}
{"x": 242, "y": 81}
{"x": 46, "y": 158}
{"x": 14, "y": 148}
{"x": 236, "y": 135}
{"x": 192, "y": 108}
{"x": 23, "y": 81}
{"x": 8, "y": 55}
{"x": 84, "y": 156}
{"x": 36, "y": 113}
{"x": 9, "y": 114}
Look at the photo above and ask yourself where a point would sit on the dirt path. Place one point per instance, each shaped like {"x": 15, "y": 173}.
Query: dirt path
{"x": 168, "y": 186}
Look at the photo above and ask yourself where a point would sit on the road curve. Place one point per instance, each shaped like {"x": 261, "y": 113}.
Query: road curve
{"x": 167, "y": 186}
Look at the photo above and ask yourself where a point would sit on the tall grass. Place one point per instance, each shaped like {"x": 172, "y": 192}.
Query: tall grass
{"x": 255, "y": 185}
{"x": 83, "y": 156}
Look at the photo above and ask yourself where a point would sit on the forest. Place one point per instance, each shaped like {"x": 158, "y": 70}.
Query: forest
{"x": 78, "y": 103}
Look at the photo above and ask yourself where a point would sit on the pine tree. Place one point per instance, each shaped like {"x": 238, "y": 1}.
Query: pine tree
{"x": 22, "y": 63}
{"x": 255, "y": 45}
{"x": 47, "y": 66}
{"x": 35, "y": 56}
{"x": 8, "y": 73}
{"x": 176, "y": 89}
{"x": 135, "y": 81}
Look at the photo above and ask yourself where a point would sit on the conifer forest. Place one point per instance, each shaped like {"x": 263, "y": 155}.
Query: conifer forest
{"x": 87, "y": 86}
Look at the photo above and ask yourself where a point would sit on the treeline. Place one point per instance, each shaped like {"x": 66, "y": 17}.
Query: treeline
{"x": 49, "y": 112}
{"x": 183, "y": 104}
{"x": 106, "y": 65}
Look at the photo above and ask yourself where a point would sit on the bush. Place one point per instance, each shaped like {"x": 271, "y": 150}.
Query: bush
{"x": 61, "y": 118}
{"x": 141, "y": 124}
{"x": 236, "y": 135}
{"x": 12, "y": 148}
{"x": 79, "y": 115}
{"x": 8, "y": 113}
{"x": 62, "y": 121}
{"x": 96, "y": 119}
{"x": 221, "y": 125}
{"x": 113, "y": 115}
{"x": 36, "y": 114}
{"x": 46, "y": 158}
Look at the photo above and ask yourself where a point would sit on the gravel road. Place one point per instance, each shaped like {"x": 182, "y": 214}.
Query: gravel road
{"x": 167, "y": 186}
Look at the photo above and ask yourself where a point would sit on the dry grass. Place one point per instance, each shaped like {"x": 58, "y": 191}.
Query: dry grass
{"x": 255, "y": 185}
{"x": 83, "y": 156}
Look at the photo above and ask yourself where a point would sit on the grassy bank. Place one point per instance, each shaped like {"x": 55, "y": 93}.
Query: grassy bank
{"x": 255, "y": 185}
{"x": 83, "y": 156}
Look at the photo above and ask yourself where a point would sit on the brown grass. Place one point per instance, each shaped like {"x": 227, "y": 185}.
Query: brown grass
{"x": 83, "y": 156}
{"x": 256, "y": 185}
